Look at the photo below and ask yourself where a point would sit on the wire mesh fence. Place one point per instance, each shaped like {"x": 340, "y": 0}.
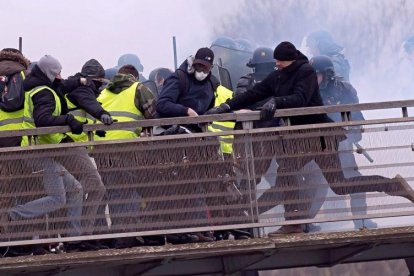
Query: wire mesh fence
{"x": 182, "y": 183}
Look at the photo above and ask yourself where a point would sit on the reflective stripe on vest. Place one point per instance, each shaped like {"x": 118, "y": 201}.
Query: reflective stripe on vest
{"x": 122, "y": 107}
{"x": 222, "y": 94}
{"x": 28, "y": 121}
{"x": 12, "y": 120}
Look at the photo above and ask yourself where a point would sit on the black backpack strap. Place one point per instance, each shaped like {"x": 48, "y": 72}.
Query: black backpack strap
{"x": 214, "y": 82}
{"x": 183, "y": 84}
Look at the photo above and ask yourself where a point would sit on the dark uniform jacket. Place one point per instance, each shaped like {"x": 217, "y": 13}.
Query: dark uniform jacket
{"x": 294, "y": 86}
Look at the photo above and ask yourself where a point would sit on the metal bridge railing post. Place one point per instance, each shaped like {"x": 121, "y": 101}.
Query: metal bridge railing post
{"x": 251, "y": 176}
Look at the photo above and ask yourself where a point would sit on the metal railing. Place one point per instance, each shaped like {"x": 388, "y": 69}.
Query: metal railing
{"x": 157, "y": 185}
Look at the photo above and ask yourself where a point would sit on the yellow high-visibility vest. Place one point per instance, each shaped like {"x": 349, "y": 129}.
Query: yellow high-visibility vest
{"x": 28, "y": 120}
{"x": 80, "y": 115}
{"x": 122, "y": 107}
{"x": 222, "y": 94}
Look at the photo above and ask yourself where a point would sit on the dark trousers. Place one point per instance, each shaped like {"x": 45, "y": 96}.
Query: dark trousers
{"x": 293, "y": 154}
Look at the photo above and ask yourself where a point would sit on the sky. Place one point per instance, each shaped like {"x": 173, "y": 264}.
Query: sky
{"x": 77, "y": 30}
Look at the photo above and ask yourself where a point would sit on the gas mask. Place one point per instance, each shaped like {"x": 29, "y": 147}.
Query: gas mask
{"x": 200, "y": 76}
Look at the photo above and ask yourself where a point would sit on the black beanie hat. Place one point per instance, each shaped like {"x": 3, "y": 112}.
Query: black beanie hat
{"x": 285, "y": 51}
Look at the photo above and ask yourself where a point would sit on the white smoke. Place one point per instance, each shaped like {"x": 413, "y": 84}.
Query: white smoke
{"x": 372, "y": 32}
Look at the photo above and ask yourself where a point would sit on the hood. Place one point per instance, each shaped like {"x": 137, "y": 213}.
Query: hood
{"x": 186, "y": 66}
{"x": 8, "y": 67}
{"x": 36, "y": 78}
{"x": 14, "y": 55}
{"x": 93, "y": 69}
{"x": 121, "y": 82}
{"x": 50, "y": 66}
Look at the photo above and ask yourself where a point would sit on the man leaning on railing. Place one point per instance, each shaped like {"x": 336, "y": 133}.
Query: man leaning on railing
{"x": 294, "y": 85}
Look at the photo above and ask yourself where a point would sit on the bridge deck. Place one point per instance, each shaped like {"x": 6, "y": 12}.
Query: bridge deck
{"x": 225, "y": 257}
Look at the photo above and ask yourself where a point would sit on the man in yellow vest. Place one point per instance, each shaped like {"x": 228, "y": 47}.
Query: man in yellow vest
{"x": 83, "y": 105}
{"x": 12, "y": 62}
{"x": 45, "y": 106}
{"x": 127, "y": 100}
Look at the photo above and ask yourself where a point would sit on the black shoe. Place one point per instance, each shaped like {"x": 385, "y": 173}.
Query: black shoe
{"x": 99, "y": 245}
{"x": 80, "y": 246}
{"x": 123, "y": 243}
{"x": 39, "y": 249}
{"x": 240, "y": 234}
{"x": 204, "y": 237}
{"x": 154, "y": 240}
{"x": 182, "y": 238}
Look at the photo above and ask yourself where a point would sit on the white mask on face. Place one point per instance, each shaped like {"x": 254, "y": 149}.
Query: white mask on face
{"x": 200, "y": 76}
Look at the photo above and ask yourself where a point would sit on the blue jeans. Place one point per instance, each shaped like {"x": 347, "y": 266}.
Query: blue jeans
{"x": 62, "y": 189}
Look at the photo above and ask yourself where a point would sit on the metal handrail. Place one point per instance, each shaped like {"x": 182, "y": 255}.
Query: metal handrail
{"x": 236, "y": 116}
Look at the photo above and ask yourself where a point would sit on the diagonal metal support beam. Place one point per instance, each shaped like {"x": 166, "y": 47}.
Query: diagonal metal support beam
{"x": 233, "y": 265}
{"x": 340, "y": 255}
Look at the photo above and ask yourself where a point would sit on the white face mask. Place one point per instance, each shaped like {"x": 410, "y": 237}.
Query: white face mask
{"x": 200, "y": 76}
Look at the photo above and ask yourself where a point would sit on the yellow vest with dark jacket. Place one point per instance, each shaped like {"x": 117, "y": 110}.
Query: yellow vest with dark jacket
{"x": 122, "y": 108}
{"x": 80, "y": 115}
{"x": 12, "y": 120}
{"x": 222, "y": 94}
{"x": 28, "y": 120}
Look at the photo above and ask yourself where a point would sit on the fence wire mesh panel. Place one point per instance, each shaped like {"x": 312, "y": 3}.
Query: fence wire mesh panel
{"x": 273, "y": 177}
{"x": 326, "y": 176}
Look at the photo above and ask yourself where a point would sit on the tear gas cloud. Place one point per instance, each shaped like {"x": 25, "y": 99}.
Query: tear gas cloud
{"x": 371, "y": 31}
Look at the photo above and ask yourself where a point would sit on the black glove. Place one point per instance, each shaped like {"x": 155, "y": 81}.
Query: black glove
{"x": 223, "y": 108}
{"x": 75, "y": 126}
{"x": 106, "y": 119}
{"x": 268, "y": 110}
{"x": 100, "y": 133}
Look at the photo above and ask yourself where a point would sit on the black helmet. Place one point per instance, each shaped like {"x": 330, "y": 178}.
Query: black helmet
{"x": 323, "y": 64}
{"x": 261, "y": 55}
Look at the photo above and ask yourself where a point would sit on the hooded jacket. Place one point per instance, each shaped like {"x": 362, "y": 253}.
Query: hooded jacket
{"x": 11, "y": 63}
{"x": 85, "y": 96}
{"x": 294, "y": 86}
{"x": 144, "y": 99}
{"x": 44, "y": 102}
{"x": 174, "y": 103}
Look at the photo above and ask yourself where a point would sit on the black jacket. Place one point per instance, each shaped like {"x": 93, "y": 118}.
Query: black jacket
{"x": 44, "y": 102}
{"x": 85, "y": 96}
{"x": 11, "y": 63}
{"x": 294, "y": 86}
{"x": 174, "y": 103}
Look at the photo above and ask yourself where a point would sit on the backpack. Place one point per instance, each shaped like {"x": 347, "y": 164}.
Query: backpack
{"x": 12, "y": 92}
